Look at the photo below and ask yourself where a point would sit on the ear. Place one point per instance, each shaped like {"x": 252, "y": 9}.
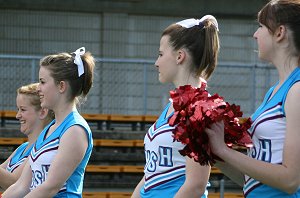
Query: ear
{"x": 43, "y": 113}
{"x": 181, "y": 54}
{"x": 62, "y": 86}
{"x": 280, "y": 33}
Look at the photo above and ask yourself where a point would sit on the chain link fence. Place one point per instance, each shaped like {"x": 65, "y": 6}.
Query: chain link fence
{"x": 131, "y": 86}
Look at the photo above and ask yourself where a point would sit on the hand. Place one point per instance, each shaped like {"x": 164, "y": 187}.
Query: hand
{"x": 216, "y": 138}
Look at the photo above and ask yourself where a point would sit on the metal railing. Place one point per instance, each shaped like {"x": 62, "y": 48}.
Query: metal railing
{"x": 131, "y": 86}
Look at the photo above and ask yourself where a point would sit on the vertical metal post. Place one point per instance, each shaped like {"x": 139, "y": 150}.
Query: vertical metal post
{"x": 145, "y": 89}
{"x": 33, "y": 78}
{"x": 222, "y": 188}
{"x": 253, "y": 105}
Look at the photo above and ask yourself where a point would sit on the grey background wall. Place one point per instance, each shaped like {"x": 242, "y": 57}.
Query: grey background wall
{"x": 124, "y": 30}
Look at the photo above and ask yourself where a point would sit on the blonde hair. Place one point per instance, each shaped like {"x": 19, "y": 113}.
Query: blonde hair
{"x": 31, "y": 90}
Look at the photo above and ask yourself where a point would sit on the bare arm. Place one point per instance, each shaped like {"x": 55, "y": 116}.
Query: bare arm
{"x": 22, "y": 185}
{"x": 72, "y": 148}
{"x": 8, "y": 178}
{"x": 196, "y": 180}
{"x": 274, "y": 175}
{"x": 5, "y": 163}
{"x": 136, "y": 192}
{"x": 231, "y": 172}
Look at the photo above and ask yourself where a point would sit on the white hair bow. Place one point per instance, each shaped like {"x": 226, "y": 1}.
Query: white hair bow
{"x": 188, "y": 23}
{"x": 78, "y": 61}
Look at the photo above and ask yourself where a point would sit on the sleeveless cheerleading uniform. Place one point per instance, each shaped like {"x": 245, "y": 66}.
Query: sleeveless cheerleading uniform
{"x": 19, "y": 157}
{"x": 165, "y": 166}
{"x": 268, "y": 134}
{"x": 45, "y": 150}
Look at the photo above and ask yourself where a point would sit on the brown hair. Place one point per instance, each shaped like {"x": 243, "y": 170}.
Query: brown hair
{"x": 63, "y": 68}
{"x": 201, "y": 42}
{"x": 282, "y": 12}
{"x": 31, "y": 90}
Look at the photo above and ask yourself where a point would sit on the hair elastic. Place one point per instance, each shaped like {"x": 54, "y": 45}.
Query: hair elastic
{"x": 188, "y": 23}
{"x": 78, "y": 61}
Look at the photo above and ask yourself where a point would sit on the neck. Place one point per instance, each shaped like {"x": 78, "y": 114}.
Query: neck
{"x": 63, "y": 111}
{"x": 285, "y": 66}
{"x": 32, "y": 137}
{"x": 187, "y": 78}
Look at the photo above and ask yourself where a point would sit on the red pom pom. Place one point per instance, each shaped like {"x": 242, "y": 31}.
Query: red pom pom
{"x": 195, "y": 110}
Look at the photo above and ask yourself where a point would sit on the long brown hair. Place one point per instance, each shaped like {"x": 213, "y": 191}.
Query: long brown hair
{"x": 63, "y": 68}
{"x": 282, "y": 12}
{"x": 201, "y": 42}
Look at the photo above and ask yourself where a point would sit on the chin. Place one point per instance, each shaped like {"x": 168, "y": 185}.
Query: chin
{"x": 161, "y": 80}
{"x": 44, "y": 105}
{"x": 24, "y": 132}
{"x": 263, "y": 59}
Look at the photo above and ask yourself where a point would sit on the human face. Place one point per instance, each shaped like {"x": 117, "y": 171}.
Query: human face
{"x": 166, "y": 61}
{"x": 48, "y": 89}
{"x": 265, "y": 43}
{"x": 27, "y": 114}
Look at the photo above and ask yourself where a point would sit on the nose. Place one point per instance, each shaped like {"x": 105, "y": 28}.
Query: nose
{"x": 255, "y": 35}
{"x": 156, "y": 63}
{"x": 38, "y": 87}
{"x": 18, "y": 115}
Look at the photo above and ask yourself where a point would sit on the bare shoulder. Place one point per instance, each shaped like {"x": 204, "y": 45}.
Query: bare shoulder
{"x": 75, "y": 133}
{"x": 295, "y": 87}
{"x": 293, "y": 95}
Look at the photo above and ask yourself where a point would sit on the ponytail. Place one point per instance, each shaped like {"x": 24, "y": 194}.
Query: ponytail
{"x": 200, "y": 38}
{"x": 62, "y": 67}
{"x": 210, "y": 52}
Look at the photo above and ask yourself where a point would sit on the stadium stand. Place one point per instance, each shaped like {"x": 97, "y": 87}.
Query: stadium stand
{"x": 117, "y": 159}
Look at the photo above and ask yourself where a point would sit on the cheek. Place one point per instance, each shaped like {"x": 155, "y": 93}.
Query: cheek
{"x": 48, "y": 91}
{"x": 166, "y": 71}
{"x": 32, "y": 115}
{"x": 260, "y": 41}
{"x": 169, "y": 73}
{"x": 260, "y": 44}
{"x": 171, "y": 69}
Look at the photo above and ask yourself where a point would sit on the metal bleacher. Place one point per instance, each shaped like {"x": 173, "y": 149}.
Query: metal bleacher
{"x": 117, "y": 161}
